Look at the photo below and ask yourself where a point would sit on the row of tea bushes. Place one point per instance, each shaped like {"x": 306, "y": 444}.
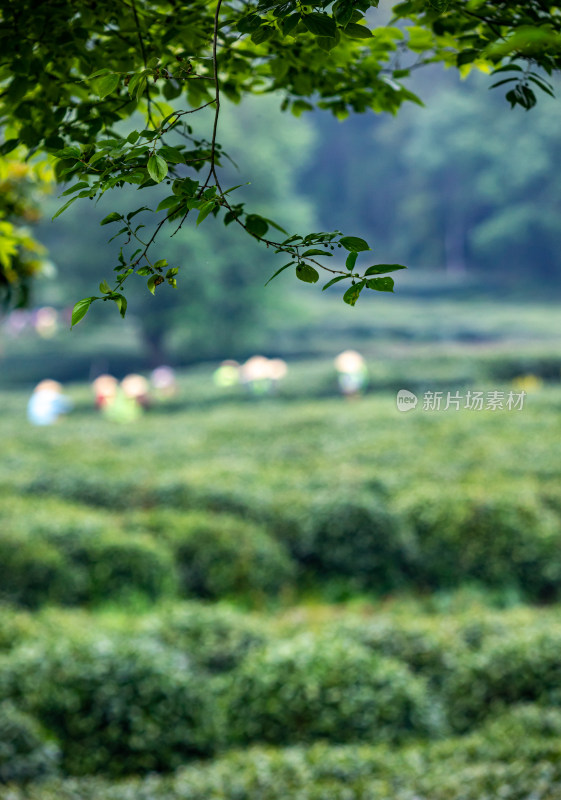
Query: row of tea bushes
{"x": 123, "y": 696}
{"x": 69, "y": 555}
{"x": 472, "y": 768}
{"x": 425, "y": 538}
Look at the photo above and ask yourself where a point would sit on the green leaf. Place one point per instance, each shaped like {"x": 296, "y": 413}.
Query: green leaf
{"x": 144, "y": 271}
{"x": 172, "y": 154}
{"x": 381, "y": 284}
{"x": 157, "y": 168}
{"x": 154, "y": 281}
{"x": 173, "y": 201}
{"x": 80, "y": 310}
{"x": 64, "y": 207}
{"x": 278, "y": 272}
{"x": 327, "y": 43}
{"x": 249, "y": 24}
{"x": 351, "y": 295}
{"x": 354, "y": 243}
{"x": 357, "y": 32}
{"x": 69, "y": 152}
{"x": 289, "y": 23}
{"x": 335, "y": 280}
{"x": 97, "y": 73}
{"x": 105, "y": 288}
{"x": 161, "y": 263}
{"x": 205, "y": 210}
{"x": 107, "y": 84}
{"x": 133, "y": 137}
{"x": 112, "y": 217}
{"x": 439, "y": 5}
{"x": 306, "y": 273}
{"x": 121, "y": 301}
{"x": 256, "y": 225}
{"x": 262, "y": 34}
{"x": 320, "y": 24}
{"x": 379, "y": 269}
{"x": 316, "y": 252}
{"x": 274, "y": 224}
{"x": 76, "y": 188}
{"x": 8, "y": 146}
{"x": 351, "y": 260}
{"x": 237, "y": 186}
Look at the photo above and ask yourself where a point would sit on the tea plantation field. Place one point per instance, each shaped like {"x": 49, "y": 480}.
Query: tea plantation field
{"x": 294, "y": 596}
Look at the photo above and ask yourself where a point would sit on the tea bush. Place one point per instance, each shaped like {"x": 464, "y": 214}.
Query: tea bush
{"x": 521, "y": 667}
{"x": 25, "y": 753}
{"x": 500, "y": 539}
{"x": 219, "y": 555}
{"x": 113, "y": 565}
{"x": 216, "y": 638}
{"x": 32, "y": 571}
{"x": 310, "y": 687}
{"x": 115, "y": 705}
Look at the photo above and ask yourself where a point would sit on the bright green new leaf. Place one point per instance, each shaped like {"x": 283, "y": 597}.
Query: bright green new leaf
{"x": 121, "y": 302}
{"x": 107, "y": 84}
{"x": 80, "y": 310}
{"x": 205, "y": 210}
{"x": 105, "y": 288}
{"x": 173, "y": 201}
{"x": 112, "y": 217}
{"x": 157, "y": 168}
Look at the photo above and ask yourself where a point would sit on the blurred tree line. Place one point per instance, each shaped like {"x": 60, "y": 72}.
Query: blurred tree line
{"x": 462, "y": 184}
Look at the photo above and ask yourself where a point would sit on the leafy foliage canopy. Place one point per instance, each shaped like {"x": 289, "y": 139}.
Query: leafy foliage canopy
{"x": 130, "y": 93}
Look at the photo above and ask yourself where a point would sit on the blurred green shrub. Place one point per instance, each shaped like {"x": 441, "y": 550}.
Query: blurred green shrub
{"x": 116, "y": 706}
{"x": 522, "y": 666}
{"x": 220, "y": 555}
{"x": 216, "y": 638}
{"x": 352, "y": 535}
{"x": 430, "y": 649}
{"x": 326, "y": 771}
{"x": 501, "y": 540}
{"x": 70, "y": 566}
{"x": 25, "y": 754}
{"x": 32, "y": 571}
{"x": 113, "y": 565}
{"x": 15, "y": 626}
{"x": 309, "y": 688}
